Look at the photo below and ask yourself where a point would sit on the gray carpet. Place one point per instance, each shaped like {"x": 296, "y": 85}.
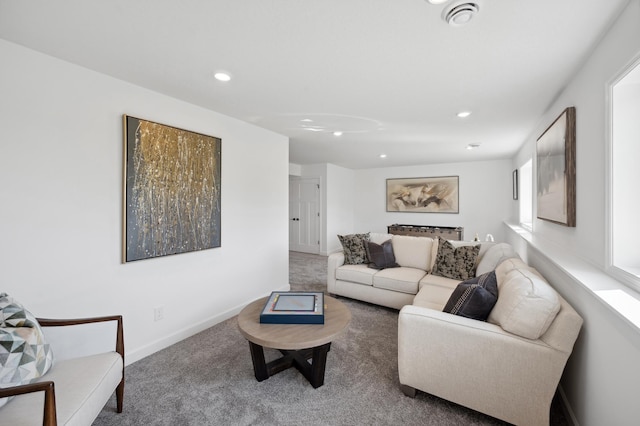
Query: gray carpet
{"x": 208, "y": 378}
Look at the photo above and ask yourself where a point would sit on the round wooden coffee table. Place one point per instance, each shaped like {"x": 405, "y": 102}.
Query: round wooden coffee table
{"x": 297, "y": 342}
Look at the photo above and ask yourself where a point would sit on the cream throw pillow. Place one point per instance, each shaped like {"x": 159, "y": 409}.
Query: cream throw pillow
{"x": 526, "y": 304}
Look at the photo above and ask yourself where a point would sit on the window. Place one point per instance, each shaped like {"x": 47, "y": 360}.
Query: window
{"x": 624, "y": 173}
{"x": 525, "y": 197}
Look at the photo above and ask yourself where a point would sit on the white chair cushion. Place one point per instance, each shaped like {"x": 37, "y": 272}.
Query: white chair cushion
{"x": 83, "y": 386}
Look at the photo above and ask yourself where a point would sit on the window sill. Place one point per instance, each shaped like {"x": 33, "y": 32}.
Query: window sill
{"x": 615, "y": 295}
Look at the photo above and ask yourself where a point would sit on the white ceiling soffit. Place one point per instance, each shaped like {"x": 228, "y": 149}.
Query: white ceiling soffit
{"x": 390, "y": 75}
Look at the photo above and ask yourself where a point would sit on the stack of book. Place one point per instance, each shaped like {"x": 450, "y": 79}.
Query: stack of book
{"x": 293, "y": 307}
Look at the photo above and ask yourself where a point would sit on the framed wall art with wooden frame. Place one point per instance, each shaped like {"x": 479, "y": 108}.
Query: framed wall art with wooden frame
{"x": 423, "y": 195}
{"x": 556, "y": 170}
{"x": 171, "y": 190}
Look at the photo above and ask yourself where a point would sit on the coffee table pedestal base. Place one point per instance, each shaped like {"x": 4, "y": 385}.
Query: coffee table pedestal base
{"x": 313, "y": 372}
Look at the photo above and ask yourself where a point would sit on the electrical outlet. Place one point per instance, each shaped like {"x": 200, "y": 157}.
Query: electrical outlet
{"x": 158, "y": 313}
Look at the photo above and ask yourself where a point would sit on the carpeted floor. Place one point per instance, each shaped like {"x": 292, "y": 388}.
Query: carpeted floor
{"x": 208, "y": 378}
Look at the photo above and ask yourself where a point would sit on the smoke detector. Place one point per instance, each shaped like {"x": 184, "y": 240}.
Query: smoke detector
{"x": 458, "y": 14}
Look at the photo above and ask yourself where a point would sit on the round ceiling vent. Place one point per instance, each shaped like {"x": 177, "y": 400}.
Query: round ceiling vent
{"x": 459, "y": 14}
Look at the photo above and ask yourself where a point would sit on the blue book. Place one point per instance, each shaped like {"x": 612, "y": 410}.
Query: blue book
{"x": 293, "y": 307}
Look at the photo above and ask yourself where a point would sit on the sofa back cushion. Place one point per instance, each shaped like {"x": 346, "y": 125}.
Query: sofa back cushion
{"x": 508, "y": 265}
{"x": 379, "y": 238}
{"x": 527, "y": 304}
{"x": 493, "y": 256}
{"x": 413, "y": 252}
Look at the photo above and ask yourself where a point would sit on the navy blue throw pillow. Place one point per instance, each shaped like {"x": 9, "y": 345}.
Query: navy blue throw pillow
{"x": 474, "y": 298}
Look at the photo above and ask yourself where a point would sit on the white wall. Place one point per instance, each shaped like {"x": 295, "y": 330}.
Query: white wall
{"x": 602, "y": 375}
{"x": 485, "y": 192}
{"x": 340, "y": 205}
{"x": 61, "y": 171}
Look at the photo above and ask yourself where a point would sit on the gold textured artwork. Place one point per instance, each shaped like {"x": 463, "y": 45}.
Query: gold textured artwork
{"x": 172, "y": 190}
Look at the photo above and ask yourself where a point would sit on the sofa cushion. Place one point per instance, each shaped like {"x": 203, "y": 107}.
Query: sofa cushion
{"x": 494, "y": 255}
{"x": 527, "y": 304}
{"x": 508, "y": 265}
{"x": 400, "y": 279}
{"x": 360, "y": 274}
{"x": 455, "y": 262}
{"x": 381, "y": 255}
{"x": 354, "y": 249}
{"x": 434, "y": 291}
{"x": 413, "y": 252}
{"x": 24, "y": 353}
{"x": 474, "y": 298}
{"x": 379, "y": 238}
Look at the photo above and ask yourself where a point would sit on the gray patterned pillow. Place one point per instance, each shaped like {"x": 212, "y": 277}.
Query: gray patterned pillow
{"x": 354, "y": 246}
{"x": 24, "y": 353}
{"x": 458, "y": 263}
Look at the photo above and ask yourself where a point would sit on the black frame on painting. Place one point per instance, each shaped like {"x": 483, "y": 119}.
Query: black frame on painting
{"x": 171, "y": 190}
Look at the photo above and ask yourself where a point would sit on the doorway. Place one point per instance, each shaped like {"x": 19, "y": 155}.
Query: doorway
{"x": 304, "y": 214}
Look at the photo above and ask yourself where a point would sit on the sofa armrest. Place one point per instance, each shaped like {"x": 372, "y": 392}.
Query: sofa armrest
{"x": 476, "y": 364}
{"x": 334, "y": 261}
{"x": 119, "y": 340}
{"x": 49, "y": 415}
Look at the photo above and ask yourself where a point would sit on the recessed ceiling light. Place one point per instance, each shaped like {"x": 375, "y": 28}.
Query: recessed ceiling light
{"x": 383, "y": 155}
{"x": 222, "y": 76}
{"x": 458, "y": 14}
{"x": 437, "y": 1}
{"x": 338, "y": 133}
{"x": 473, "y": 146}
{"x": 306, "y": 120}
{"x": 464, "y": 114}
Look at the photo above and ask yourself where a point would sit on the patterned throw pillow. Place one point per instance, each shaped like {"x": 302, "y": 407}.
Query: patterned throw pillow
{"x": 24, "y": 353}
{"x": 381, "y": 255}
{"x": 458, "y": 263}
{"x": 474, "y": 298}
{"x": 354, "y": 245}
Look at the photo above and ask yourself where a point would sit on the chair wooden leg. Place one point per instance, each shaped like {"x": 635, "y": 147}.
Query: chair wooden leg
{"x": 120, "y": 396}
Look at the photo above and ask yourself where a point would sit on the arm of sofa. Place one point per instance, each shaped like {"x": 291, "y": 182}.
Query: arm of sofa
{"x": 334, "y": 261}
{"x": 477, "y": 364}
{"x": 119, "y": 341}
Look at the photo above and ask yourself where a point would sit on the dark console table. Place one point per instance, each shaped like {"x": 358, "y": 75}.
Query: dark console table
{"x": 447, "y": 232}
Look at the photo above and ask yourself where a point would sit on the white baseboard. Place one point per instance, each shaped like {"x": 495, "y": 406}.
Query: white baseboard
{"x": 172, "y": 339}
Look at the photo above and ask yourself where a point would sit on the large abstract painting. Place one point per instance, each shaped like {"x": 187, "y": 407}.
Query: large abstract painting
{"x": 172, "y": 190}
{"x": 423, "y": 195}
{"x": 556, "y": 184}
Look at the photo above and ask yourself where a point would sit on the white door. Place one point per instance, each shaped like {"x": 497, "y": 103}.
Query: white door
{"x": 304, "y": 215}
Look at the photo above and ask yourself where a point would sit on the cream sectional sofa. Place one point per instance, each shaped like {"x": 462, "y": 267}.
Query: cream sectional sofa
{"x": 507, "y": 367}
{"x": 397, "y": 287}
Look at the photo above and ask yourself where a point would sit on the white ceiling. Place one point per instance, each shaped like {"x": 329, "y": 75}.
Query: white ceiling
{"x": 390, "y": 74}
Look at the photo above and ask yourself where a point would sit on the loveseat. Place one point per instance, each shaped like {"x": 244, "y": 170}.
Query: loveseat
{"x": 496, "y": 343}
{"x": 72, "y": 390}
